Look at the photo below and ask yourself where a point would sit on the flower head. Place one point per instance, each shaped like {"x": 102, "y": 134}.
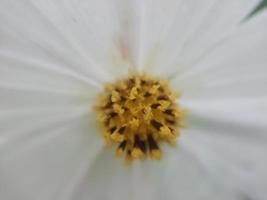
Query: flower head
{"x": 138, "y": 113}
{"x": 65, "y": 82}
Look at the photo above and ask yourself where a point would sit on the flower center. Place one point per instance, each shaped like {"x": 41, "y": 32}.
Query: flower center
{"x": 138, "y": 113}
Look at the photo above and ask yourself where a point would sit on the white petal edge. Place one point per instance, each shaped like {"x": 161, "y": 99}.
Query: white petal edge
{"x": 47, "y": 43}
{"x": 178, "y": 33}
{"x": 100, "y": 31}
{"x": 47, "y": 167}
{"x": 235, "y": 69}
{"x": 107, "y": 179}
{"x": 234, "y": 163}
{"x": 176, "y": 176}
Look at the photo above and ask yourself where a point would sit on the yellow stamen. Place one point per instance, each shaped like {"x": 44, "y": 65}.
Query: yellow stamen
{"x": 155, "y": 154}
{"x": 115, "y": 96}
{"x": 165, "y": 131}
{"x": 138, "y": 113}
{"x": 164, "y": 105}
{"x": 133, "y": 93}
{"x": 118, "y": 109}
{"x": 137, "y": 153}
{"x": 128, "y": 158}
{"x": 119, "y": 152}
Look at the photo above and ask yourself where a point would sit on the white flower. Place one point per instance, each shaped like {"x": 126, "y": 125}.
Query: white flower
{"x": 55, "y": 56}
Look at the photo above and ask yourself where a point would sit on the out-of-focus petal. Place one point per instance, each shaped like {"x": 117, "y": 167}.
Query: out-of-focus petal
{"x": 176, "y": 34}
{"x": 177, "y": 175}
{"x": 229, "y": 139}
{"x": 44, "y": 163}
{"x": 235, "y": 158}
{"x": 70, "y": 37}
{"x": 102, "y": 32}
{"x": 235, "y": 69}
{"x": 108, "y": 178}
{"x": 225, "y": 93}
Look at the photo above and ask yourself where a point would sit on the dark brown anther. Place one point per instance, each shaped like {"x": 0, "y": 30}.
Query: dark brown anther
{"x": 172, "y": 122}
{"x": 107, "y": 122}
{"x": 122, "y": 145}
{"x": 112, "y": 130}
{"x": 163, "y": 98}
{"x": 143, "y": 146}
{"x": 136, "y": 141}
{"x": 129, "y": 152}
{"x": 122, "y": 129}
{"x": 108, "y": 105}
{"x": 155, "y": 106}
{"x": 161, "y": 89}
{"x": 143, "y": 82}
{"x": 147, "y": 94}
{"x": 169, "y": 112}
{"x": 132, "y": 80}
{"x": 157, "y": 125}
{"x": 151, "y": 143}
{"x": 112, "y": 114}
{"x": 123, "y": 99}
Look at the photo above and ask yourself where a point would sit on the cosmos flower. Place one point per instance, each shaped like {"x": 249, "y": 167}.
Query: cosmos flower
{"x": 80, "y": 78}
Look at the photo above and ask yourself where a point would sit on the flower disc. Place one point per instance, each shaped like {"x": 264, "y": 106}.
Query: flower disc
{"x": 138, "y": 113}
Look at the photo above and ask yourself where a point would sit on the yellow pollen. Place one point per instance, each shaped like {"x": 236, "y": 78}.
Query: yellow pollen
{"x": 138, "y": 113}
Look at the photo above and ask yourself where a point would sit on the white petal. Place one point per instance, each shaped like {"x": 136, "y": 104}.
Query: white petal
{"x": 108, "y": 179}
{"x": 235, "y": 69}
{"x": 176, "y": 176}
{"x": 241, "y": 116}
{"x": 35, "y": 98}
{"x": 229, "y": 139}
{"x": 237, "y": 163}
{"x": 177, "y": 33}
{"x": 22, "y": 74}
{"x": 163, "y": 23}
{"x": 58, "y": 35}
{"x": 97, "y": 30}
{"x": 226, "y": 97}
{"x": 45, "y": 165}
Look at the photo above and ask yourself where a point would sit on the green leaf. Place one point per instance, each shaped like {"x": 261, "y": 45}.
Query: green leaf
{"x": 262, "y": 5}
